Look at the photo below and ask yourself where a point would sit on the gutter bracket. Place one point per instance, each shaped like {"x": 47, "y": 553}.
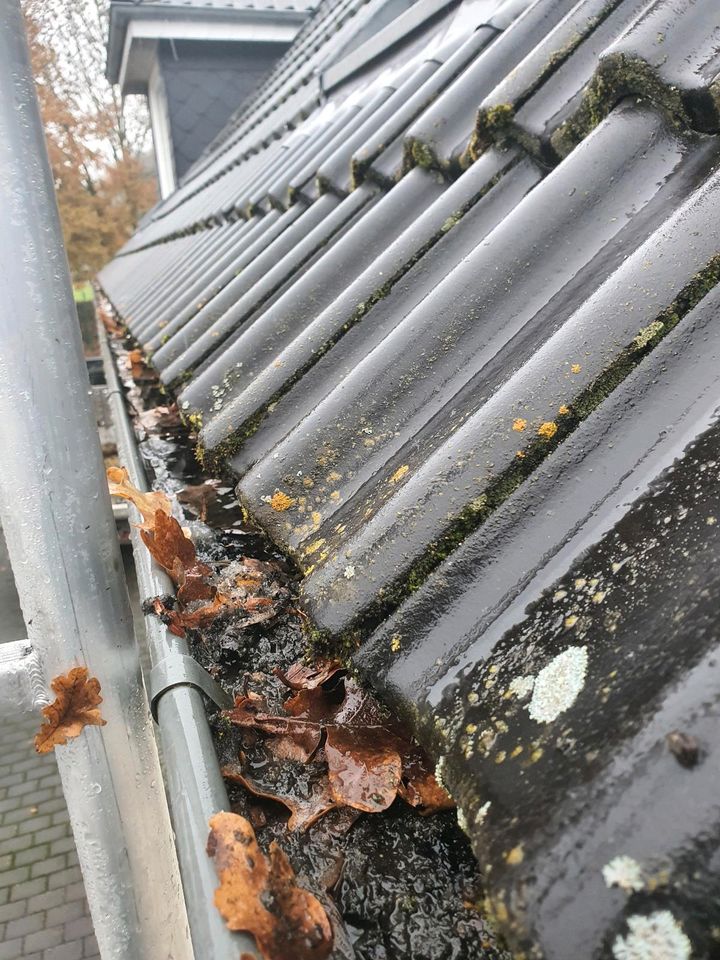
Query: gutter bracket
{"x": 182, "y": 670}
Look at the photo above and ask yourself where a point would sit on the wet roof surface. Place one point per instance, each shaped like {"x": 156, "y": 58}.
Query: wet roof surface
{"x": 461, "y": 309}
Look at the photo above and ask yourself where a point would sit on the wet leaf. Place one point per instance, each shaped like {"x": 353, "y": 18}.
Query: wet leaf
{"x": 77, "y": 698}
{"x": 302, "y": 676}
{"x": 260, "y": 895}
{"x": 175, "y": 553}
{"x": 161, "y": 419}
{"x": 139, "y": 370}
{"x": 368, "y": 759}
{"x": 147, "y": 503}
{"x": 301, "y": 787}
{"x": 199, "y": 497}
{"x": 364, "y": 772}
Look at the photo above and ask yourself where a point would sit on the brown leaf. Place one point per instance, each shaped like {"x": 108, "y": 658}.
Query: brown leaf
{"x": 306, "y": 794}
{"x": 147, "y": 503}
{"x": 419, "y": 787}
{"x": 77, "y": 697}
{"x": 199, "y": 497}
{"x": 364, "y": 772}
{"x": 302, "y": 676}
{"x": 175, "y": 553}
{"x": 162, "y": 419}
{"x": 139, "y": 370}
{"x": 368, "y": 762}
{"x": 249, "y": 712}
{"x": 260, "y": 895}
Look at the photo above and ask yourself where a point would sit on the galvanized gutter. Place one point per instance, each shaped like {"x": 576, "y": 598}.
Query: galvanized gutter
{"x": 193, "y": 782}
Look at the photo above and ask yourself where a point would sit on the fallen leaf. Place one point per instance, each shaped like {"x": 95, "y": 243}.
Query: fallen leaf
{"x": 301, "y": 676}
{"x": 199, "y": 497}
{"x": 368, "y": 759}
{"x": 303, "y": 788}
{"x": 161, "y": 419}
{"x": 260, "y": 895}
{"x": 364, "y": 772}
{"x": 77, "y": 697}
{"x": 176, "y": 555}
{"x": 147, "y": 503}
{"x": 139, "y": 370}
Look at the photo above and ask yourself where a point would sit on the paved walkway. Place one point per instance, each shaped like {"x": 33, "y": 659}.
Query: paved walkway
{"x": 43, "y": 911}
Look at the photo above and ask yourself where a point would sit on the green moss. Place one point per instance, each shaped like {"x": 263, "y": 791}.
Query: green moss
{"x": 617, "y": 75}
{"x": 423, "y": 156}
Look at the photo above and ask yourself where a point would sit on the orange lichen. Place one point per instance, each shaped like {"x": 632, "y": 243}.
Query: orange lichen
{"x": 519, "y": 424}
{"x": 563, "y": 410}
{"x": 547, "y": 430}
{"x": 281, "y": 501}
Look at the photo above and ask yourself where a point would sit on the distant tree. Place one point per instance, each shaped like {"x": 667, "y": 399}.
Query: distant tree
{"x": 96, "y": 151}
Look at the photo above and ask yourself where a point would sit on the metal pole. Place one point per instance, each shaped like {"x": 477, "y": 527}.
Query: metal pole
{"x": 62, "y": 542}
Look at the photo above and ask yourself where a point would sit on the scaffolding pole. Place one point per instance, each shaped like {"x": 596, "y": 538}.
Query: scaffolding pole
{"x": 63, "y": 546}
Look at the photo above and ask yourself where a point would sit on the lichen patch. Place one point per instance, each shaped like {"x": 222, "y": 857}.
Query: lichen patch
{"x": 625, "y": 873}
{"x": 655, "y": 937}
{"x": 558, "y": 684}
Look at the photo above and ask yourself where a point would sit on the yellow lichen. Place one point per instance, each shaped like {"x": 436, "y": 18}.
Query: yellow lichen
{"x": 563, "y": 410}
{"x": 315, "y": 545}
{"x": 519, "y": 424}
{"x": 520, "y": 454}
{"x": 575, "y": 368}
{"x": 547, "y": 430}
{"x": 280, "y": 501}
{"x": 515, "y": 856}
{"x": 399, "y": 473}
{"x": 395, "y": 642}
{"x": 571, "y": 621}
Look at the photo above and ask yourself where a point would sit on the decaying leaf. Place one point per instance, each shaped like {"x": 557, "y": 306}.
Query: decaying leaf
{"x": 199, "y": 497}
{"x": 139, "y": 370}
{"x": 302, "y": 676}
{"x": 176, "y": 555}
{"x": 77, "y": 698}
{"x": 147, "y": 503}
{"x": 160, "y": 419}
{"x": 354, "y": 757}
{"x": 259, "y": 894}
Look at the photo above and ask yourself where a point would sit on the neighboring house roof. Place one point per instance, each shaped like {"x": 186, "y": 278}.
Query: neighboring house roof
{"x": 223, "y": 20}
{"x": 456, "y": 297}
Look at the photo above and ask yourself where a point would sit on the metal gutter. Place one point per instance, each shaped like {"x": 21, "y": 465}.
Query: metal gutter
{"x": 64, "y": 549}
{"x": 193, "y": 782}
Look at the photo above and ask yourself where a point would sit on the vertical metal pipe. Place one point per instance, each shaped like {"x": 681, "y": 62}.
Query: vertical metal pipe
{"x": 61, "y": 537}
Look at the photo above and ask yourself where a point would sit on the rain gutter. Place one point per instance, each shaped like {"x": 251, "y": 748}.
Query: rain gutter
{"x": 176, "y": 684}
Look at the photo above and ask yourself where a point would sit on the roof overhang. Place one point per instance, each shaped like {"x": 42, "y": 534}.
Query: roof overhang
{"x": 135, "y": 31}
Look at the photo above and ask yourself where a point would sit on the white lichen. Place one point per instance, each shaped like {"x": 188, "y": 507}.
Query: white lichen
{"x": 482, "y": 813}
{"x": 655, "y": 937}
{"x": 349, "y": 572}
{"x": 623, "y": 872}
{"x": 521, "y": 687}
{"x": 558, "y": 684}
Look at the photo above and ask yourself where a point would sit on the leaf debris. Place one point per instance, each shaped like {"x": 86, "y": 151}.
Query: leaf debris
{"x": 260, "y": 895}
{"x": 77, "y": 698}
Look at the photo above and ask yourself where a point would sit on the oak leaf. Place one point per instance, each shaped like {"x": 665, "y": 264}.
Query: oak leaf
{"x": 259, "y": 894}
{"x": 77, "y": 698}
{"x": 343, "y": 733}
{"x": 147, "y": 503}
